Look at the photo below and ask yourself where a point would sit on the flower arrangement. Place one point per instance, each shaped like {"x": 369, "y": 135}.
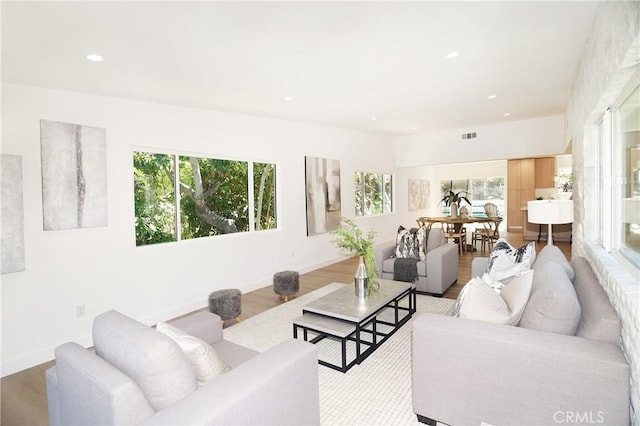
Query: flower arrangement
{"x": 351, "y": 238}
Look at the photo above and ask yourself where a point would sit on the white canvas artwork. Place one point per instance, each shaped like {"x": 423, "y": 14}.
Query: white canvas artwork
{"x": 324, "y": 208}
{"x": 74, "y": 175}
{"x": 418, "y": 194}
{"x": 13, "y": 258}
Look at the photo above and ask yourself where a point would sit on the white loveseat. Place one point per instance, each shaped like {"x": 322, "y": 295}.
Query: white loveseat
{"x": 562, "y": 364}
{"x": 138, "y": 375}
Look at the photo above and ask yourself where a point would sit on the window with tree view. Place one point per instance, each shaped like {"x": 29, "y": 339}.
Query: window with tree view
{"x": 207, "y": 197}
{"x": 373, "y": 193}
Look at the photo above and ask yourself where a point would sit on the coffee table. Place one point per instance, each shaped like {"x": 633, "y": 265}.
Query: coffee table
{"x": 365, "y": 323}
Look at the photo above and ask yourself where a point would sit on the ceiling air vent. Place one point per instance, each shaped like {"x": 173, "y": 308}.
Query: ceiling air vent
{"x": 468, "y": 136}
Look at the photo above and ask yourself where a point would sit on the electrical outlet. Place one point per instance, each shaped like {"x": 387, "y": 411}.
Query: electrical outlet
{"x": 81, "y": 310}
{"x": 293, "y": 253}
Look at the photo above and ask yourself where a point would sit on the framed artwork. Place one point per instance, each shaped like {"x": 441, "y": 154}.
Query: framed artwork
{"x": 74, "y": 175}
{"x": 322, "y": 184}
{"x": 12, "y": 214}
{"x": 419, "y": 194}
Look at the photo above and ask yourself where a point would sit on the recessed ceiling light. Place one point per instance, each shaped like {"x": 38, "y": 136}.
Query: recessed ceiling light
{"x": 95, "y": 58}
{"x": 288, "y": 98}
{"x": 374, "y": 118}
{"x": 491, "y": 96}
{"x": 452, "y": 54}
{"x": 507, "y": 114}
{"x": 413, "y": 129}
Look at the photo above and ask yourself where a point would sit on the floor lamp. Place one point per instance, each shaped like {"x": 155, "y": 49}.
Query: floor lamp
{"x": 550, "y": 212}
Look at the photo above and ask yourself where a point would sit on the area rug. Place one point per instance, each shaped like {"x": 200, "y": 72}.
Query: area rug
{"x": 376, "y": 392}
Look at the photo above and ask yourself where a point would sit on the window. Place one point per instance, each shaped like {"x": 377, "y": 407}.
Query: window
{"x": 617, "y": 178}
{"x": 478, "y": 191}
{"x": 629, "y": 143}
{"x": 373, "y": 193}
{"x": 212, "y": 197}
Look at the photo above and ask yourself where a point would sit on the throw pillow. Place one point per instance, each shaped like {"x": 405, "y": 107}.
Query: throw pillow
{"x": 506, "y": 261}
{"x": 411, "y": 243}
{"x": 481, "y": 302}
{"x": 205, "y": 361}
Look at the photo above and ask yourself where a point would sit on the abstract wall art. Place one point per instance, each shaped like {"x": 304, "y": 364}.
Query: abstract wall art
{"x": 324, "y": 211}
{"x": 12, "y": 211}
{"x": 74, "y": 175}
{"x": 418, "y": 194}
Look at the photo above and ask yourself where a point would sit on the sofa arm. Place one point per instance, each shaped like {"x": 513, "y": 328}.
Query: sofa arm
{"x": 202, "y": 324}
{"x": 279, "y": 386}
{"x": 468, "y": 372}
{"x": 382, "y": 252}
{"x": 479, "y": 266}
{"x": 442, "y": 267}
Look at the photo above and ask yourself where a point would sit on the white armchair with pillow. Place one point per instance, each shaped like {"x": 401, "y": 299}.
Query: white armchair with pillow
{"x": 185, "y": 374}
{"x": 436, "y": 261}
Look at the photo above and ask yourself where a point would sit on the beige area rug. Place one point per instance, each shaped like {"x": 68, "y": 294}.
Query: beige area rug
{"x": 376, "y": 392}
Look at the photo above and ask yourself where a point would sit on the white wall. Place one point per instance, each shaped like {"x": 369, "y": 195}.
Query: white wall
{"x": 513, "y": 139}
{"x": 609, "y": 60}
{"x": 103, "y": 269}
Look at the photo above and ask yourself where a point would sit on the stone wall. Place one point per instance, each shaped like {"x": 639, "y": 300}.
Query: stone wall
{"x": 609, "y": 60}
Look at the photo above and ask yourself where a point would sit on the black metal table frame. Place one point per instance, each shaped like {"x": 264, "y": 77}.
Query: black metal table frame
{"x": 360, "y": 327}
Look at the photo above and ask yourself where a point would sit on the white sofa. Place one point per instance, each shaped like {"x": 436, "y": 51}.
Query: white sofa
{"x": 436, "y": 273}
{"x": 563, "y": 364}
{"x": 141, "y": 376}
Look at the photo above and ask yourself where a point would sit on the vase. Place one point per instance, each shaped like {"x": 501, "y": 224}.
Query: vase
{"x": 360, "y": 279}
{"x": 454, "y": 211}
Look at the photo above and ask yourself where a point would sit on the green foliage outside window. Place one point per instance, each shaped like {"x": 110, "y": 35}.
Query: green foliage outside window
{"x": 213, "y": 197}
{"x": 373, "y": 193}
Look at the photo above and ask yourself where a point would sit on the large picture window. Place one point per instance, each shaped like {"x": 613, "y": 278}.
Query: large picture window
{"x": 373, "y": 193}
{"x": 206, "y": 197}
{"x": 479, "y": 191}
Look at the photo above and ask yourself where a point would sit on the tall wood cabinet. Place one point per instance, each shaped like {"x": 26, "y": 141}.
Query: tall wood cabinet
{"x": 521, "y": 181}
{"x": 523, "y": 177}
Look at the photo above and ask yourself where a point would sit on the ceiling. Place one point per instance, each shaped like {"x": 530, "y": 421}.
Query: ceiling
{"x": 373, "y": 66}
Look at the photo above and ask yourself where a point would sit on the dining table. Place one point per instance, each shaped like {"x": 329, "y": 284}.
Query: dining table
{"x": 457, "y": 222}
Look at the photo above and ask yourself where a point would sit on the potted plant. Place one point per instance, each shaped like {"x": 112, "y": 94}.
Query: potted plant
{"x": 351, "y": 238}
{"x": 453, "y": 200}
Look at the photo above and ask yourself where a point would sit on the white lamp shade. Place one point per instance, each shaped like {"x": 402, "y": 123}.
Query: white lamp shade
{"x": 550, "y": 211}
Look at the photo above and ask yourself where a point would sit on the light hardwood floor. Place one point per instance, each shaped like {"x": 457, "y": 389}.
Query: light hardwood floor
{"x": 24, "y": 398}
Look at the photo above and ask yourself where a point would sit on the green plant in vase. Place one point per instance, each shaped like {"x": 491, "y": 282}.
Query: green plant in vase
{"x": 351, "y": 238}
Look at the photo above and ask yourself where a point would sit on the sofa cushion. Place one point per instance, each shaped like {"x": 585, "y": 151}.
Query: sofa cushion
{"x": 553, "y": 305}
{"x": 388, "y": 265}
{"x": 506, "y": 261}
{"x": 481, "y": 302}
{"x": 599, "y": 320}
{"x": 553, "y": 254}
{"x": 153, "y": 360}
{"x": 206, "y": 362}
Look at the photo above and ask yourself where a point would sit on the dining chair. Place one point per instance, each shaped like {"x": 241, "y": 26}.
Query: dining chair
{"x": 491, "y": 209}
{"x": 457, "y": 236}
{"x": 488, "y": 234}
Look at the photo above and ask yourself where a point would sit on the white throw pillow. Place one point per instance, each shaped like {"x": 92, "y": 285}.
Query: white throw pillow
{"x": 481, "y": 302}
{"x": 506, "y": 261}
{"x": 205, "y": 361}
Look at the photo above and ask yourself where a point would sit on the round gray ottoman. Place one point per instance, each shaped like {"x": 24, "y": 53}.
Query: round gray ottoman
{"x": 286, "y": 284}
{"x": 226, "y": 304}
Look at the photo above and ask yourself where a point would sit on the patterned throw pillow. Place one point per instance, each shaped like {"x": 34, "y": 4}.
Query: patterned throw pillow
{"x": 411, "y": 243}
{"x": 506, "y": 261}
